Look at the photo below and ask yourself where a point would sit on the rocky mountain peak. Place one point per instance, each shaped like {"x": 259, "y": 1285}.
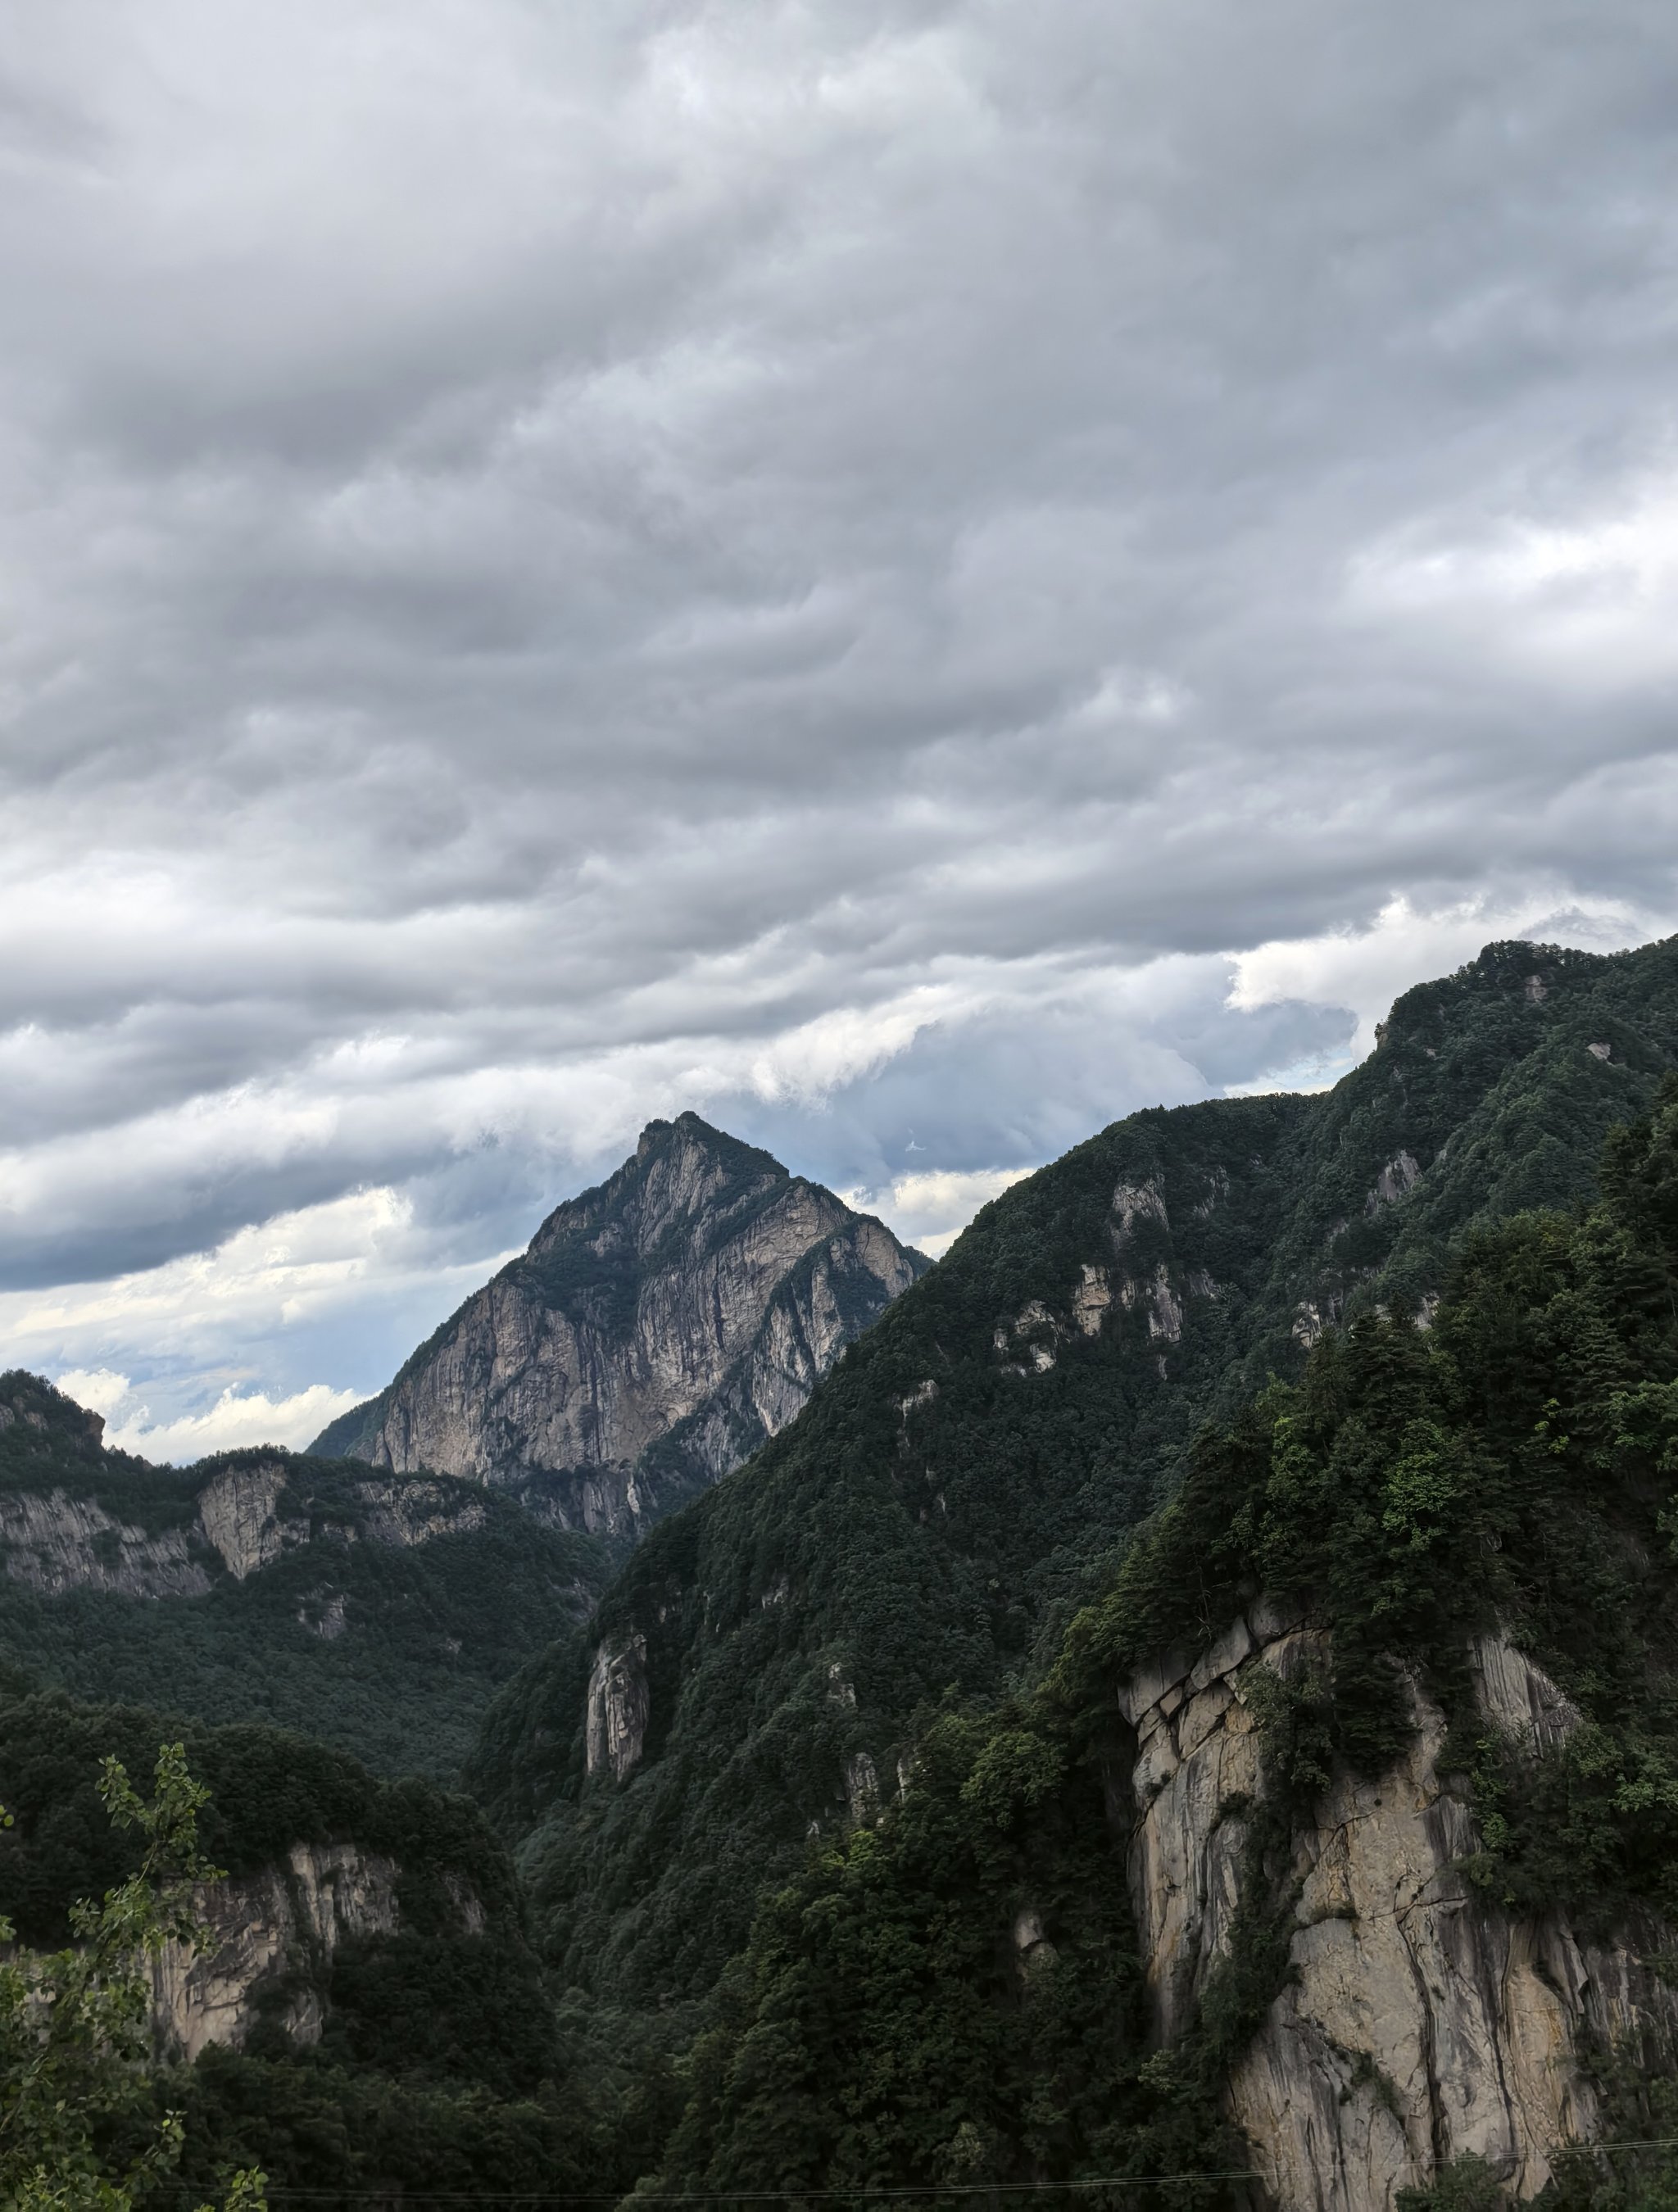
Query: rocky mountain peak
{"x": 690, "y": 1132}
{"x": 682, "y": 1174}
{"x": 658, "y": 1330}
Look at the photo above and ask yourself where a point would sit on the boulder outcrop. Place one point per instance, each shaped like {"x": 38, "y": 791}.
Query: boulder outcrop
{"x": 239, "y": 1513}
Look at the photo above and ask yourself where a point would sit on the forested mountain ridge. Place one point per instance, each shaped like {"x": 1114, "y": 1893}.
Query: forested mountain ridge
{"x": 379, "y": 1614}
{"x": 658, "y": 1328}
{"x": 765, "y": 1660}
{"x": 379, "y": 1605}
{"x": 931, "y": 1807}
{"x": 1337, "y": 1846}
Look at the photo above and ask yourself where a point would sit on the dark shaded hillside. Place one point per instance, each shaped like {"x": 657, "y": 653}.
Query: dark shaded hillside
{"x": 955, "y": 1992}
{"x": 451, "y": 1992}
{"x": 951, "y": 1490}
{"x": 270, "y": 1789}
{"x": 266, "y": 1585}
{"x": 420, "y": 2052}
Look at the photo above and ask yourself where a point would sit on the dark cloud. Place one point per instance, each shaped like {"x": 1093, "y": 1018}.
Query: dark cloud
{"x": 825, "y": 563}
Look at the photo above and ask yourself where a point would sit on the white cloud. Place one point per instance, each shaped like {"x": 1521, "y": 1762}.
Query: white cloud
{"x": 1365, "y": 970}
{"x": 273, "y": 1299}
{"x": 97, "y": 1388}
{"x": 1592, "y": 594}
{"x": 930, "y": 1209}
{"x": 237, "y": 1419}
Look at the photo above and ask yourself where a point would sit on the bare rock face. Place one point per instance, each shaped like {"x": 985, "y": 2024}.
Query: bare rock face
{"x": 285, "y": 1921}
{"x": 54, "y": 1542}
{"x": 1421, "y": 2023}
{"x": 656, "y": 1331}
{"x": 239, "y": 1513}
{"x": 405, "y": 1515}
{"x": 74, "y": 1528}
{"x": 619, "y": 1708}
{"x": 1395, "y": 1181}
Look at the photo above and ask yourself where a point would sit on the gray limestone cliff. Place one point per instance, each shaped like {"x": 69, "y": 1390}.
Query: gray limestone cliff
{"x": 53, "y": 1541}
{"x": 657, "y": 1331}
{"x": 614, "y": 1723}
{"x": 270, "y": 1932}
{"x": 1419, "y": 2023}
{"x": 268, "y": 1941}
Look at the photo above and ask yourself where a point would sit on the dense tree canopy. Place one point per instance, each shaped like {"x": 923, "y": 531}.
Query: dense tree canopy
{"x": 954, "y": 1991}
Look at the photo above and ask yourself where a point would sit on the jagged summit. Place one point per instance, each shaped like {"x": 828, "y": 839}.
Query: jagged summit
{"x": 659, "y": 1327}
{"x": 691, "y": 1130}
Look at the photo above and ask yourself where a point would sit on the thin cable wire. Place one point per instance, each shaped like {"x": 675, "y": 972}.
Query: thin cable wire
{"x": 395, "y": 2191}
{"x": 759, "y": 2195}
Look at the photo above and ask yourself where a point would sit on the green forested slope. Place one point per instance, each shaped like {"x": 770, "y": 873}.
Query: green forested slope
{"x": 440, "y": 2060}
{"x": 955, "y": 1486}
{"x": 452, "y": 1996}
{"x": 389, "y": 1650}
{"x": 1513, "y": 1469}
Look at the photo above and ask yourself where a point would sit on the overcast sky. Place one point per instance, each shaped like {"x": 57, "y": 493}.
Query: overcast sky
{"x": 911, "y": 577}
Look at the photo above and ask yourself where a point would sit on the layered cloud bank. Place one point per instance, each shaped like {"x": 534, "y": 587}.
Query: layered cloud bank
{"x": 237, "y": 1418}
{"x": 912, "y": 578}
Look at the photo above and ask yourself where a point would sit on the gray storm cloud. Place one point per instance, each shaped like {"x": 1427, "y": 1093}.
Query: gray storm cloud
{"x": 831, "y": 563}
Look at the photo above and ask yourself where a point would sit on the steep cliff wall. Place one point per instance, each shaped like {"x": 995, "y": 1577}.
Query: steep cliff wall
{"x": 280, "y": 1927}
{"x": 692, "y": 1302}
{"x": 56, "y": 1542}
{"x": 53, "y": 1541}
{"x": 616, "y": 1724}
{"x": 1419, "y": 2023}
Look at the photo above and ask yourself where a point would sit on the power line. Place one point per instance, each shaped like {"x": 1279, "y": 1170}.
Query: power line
{"x": 395, "y": 2191}
{"x": 758, "y": 2196}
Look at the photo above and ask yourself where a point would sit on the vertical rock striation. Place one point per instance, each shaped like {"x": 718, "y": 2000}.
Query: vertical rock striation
{"x": 615, "y": 1726}
{"x": 54, "y": 1542}
{"x": 1420, "y": 2022}
{"x": 239, "y": 1512}
{"x": 275, "y": 1930}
